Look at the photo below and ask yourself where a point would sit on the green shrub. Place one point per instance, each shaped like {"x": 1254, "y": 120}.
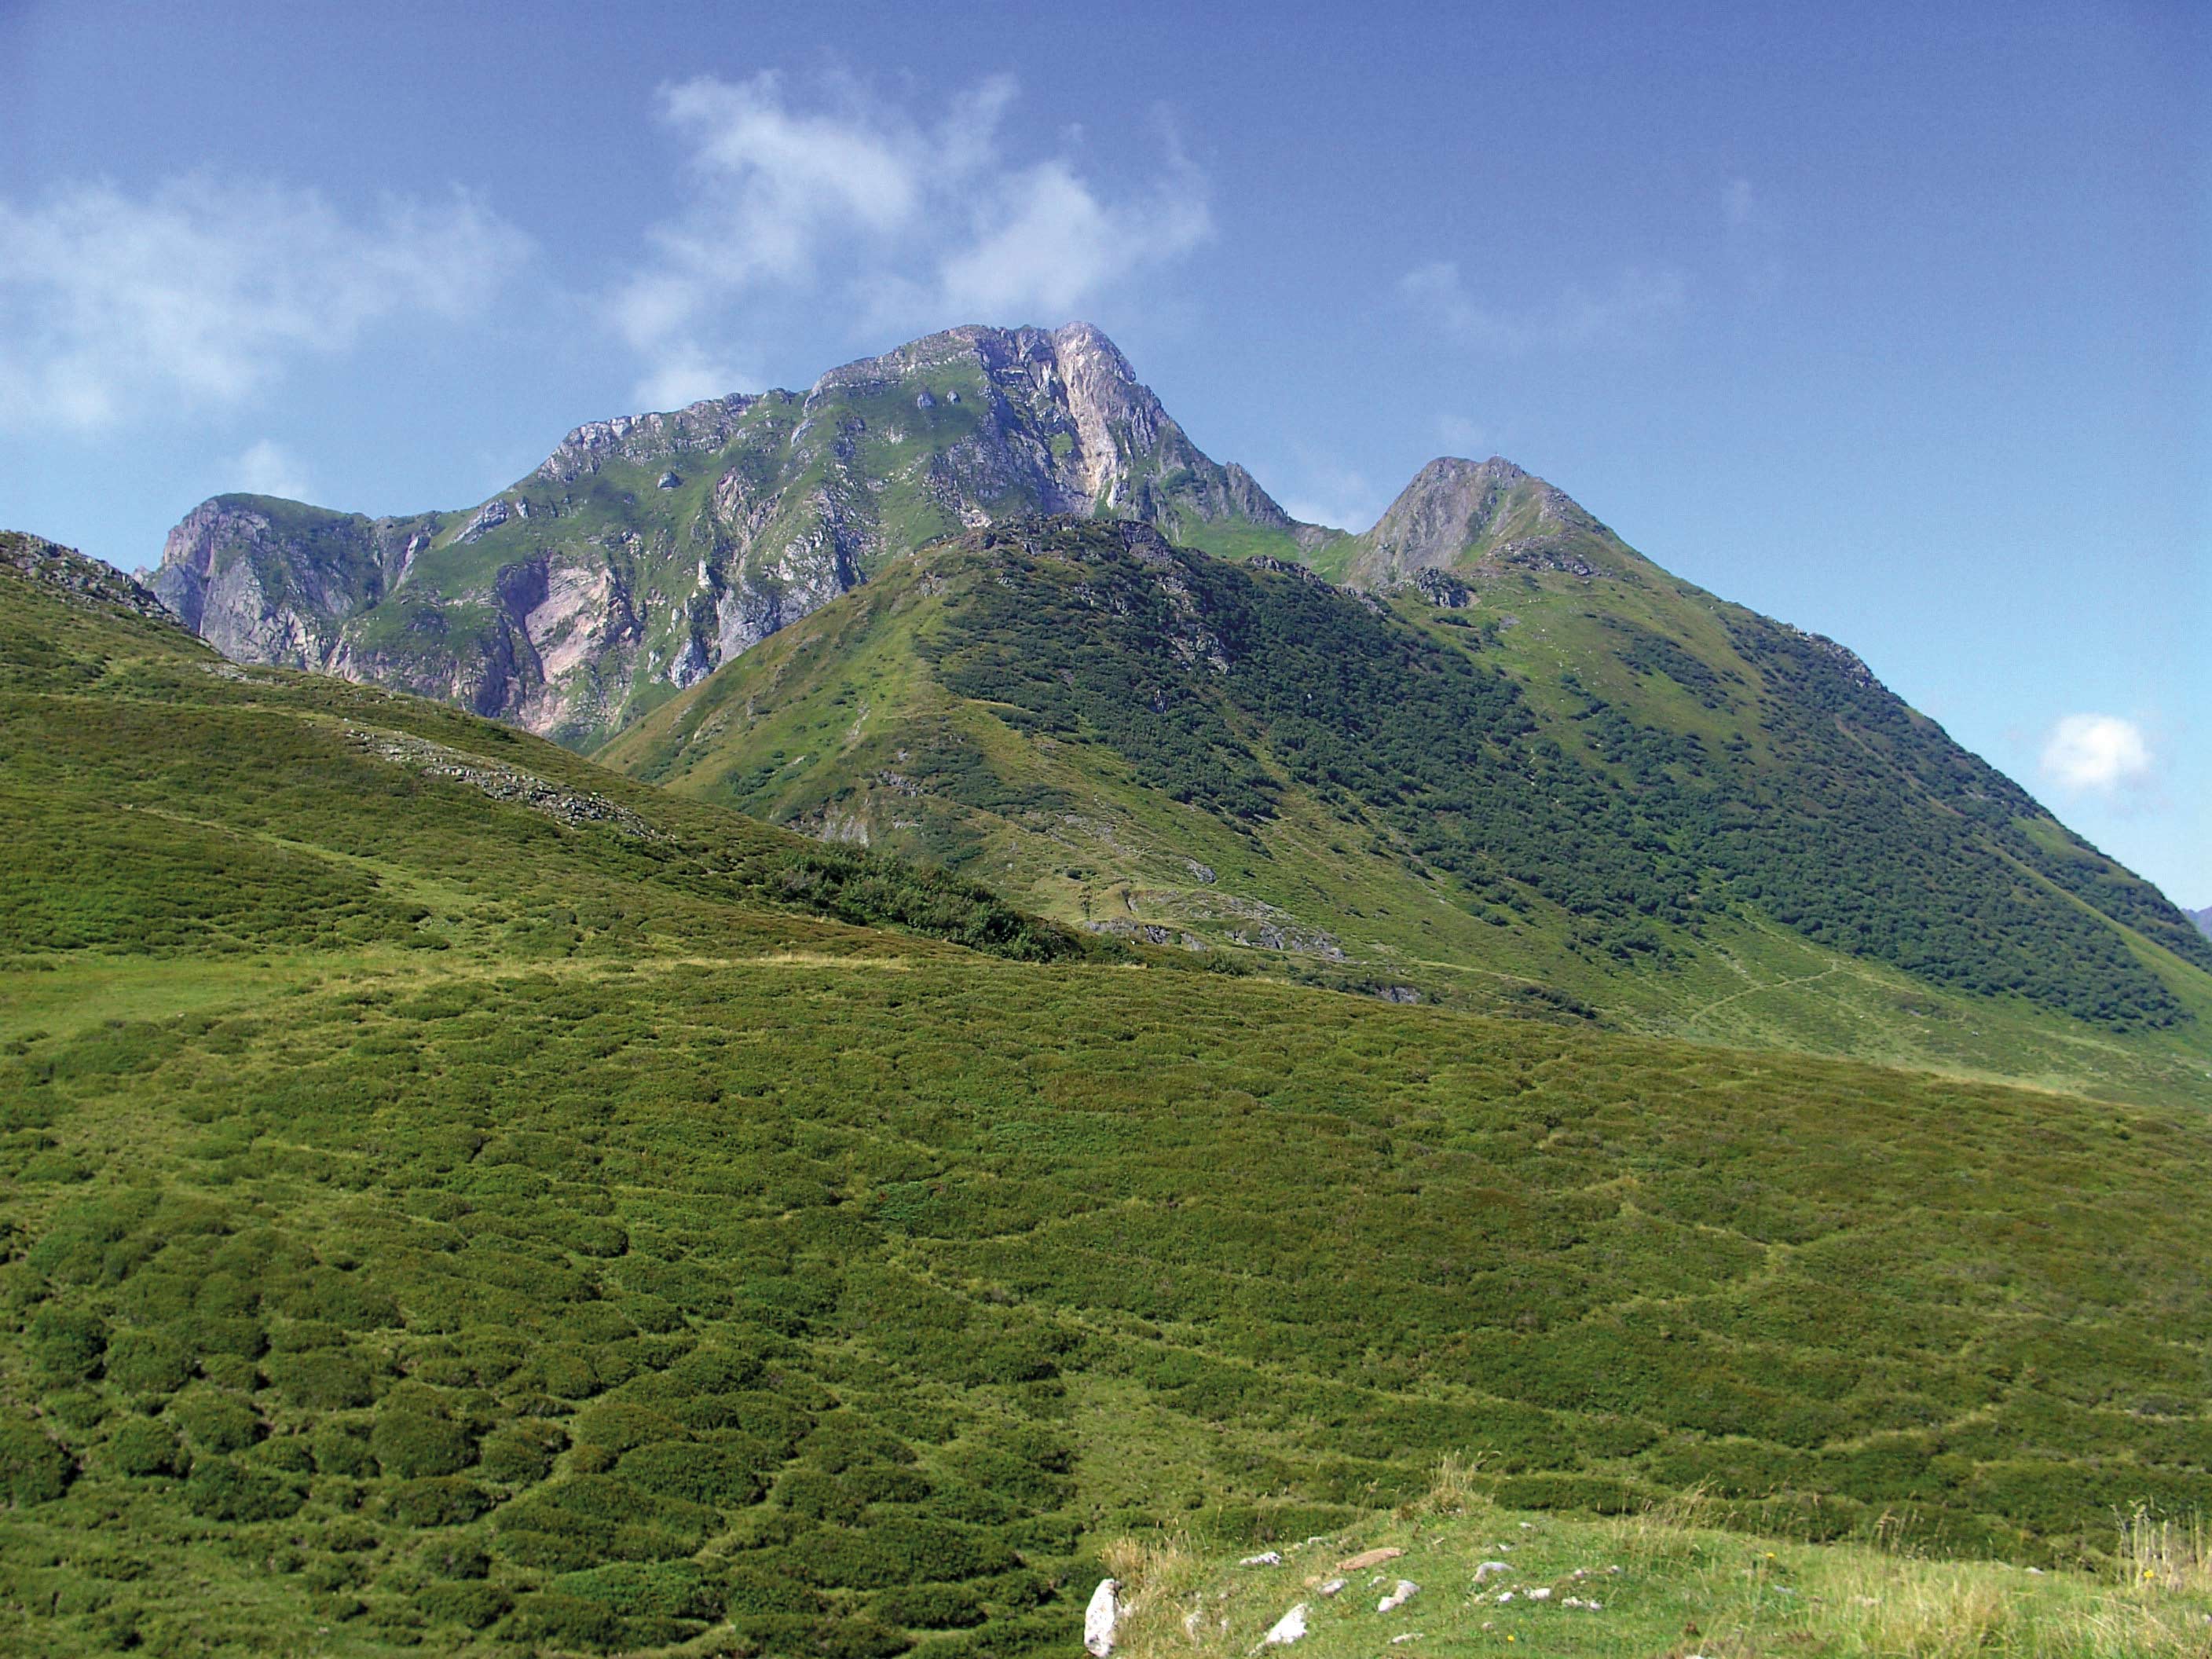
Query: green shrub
{"x": 412, "y": 1443}
{"x": 715, "y": 1370}
{"x": 750, "y": 1589}
{"x": 216, "y": 1422}
{"x": 523, "y": 1453}
{"x": 903, "y": 1550}
{"x": 928, "y": 1606}
{"x": 618, "y": 1425}
{"x": 147, "y": 1362}
{"x": 240, "y": 1335}
{"x": 475, "y": 1607}
{"x": 550, "y": 1619}
{"x": 287, "y": 1452}
{"x": 324, "y": 1380}
{"x": 33, "y": 1468}
{"x": 342, "y": 1449}
{"x": 141, "y": 1446}
{"x": 436, "y": 1501}
{"x": 726, "y": 1474}
{"x": 666, "y": 1589}
{"x": 69, "y": 1345}
{"x": 305, "y": 1336}
{"x": 220, "y": 1489}
{"x": 455, "y": 1557}
{"x": 818, "y": 1497}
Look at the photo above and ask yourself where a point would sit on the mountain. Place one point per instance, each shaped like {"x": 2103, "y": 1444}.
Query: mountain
{"x": 465, "y": 1200}
{"x": 1487, "y": 516}
{"x": 1531, "y": 768}
{"x": 1539, "y": 771}
{"x": 2203, "y": 919}
{"x": 646, "y": 550}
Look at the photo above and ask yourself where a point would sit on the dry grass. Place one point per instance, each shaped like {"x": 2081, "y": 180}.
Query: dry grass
{"x": 1683, "y": 1587}
{"x": 2157, "y": 1553}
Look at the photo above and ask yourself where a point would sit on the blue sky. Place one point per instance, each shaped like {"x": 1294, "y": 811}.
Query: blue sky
{"x": 1889, "y": 321}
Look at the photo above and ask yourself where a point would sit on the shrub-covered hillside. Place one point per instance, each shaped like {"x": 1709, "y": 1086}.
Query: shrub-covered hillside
{"x": 1676, "y": 811}
{"x": 460, "y": 1200}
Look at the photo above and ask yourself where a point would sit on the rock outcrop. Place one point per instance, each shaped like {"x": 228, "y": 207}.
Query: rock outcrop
{"x": 79, "y": 577}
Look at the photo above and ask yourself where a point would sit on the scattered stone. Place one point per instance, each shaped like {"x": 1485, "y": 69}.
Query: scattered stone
{"x": 667, "y": 480}
{"x": 1504, "y": 1596}
{"x": 1100, "y": 1618}
{"x": 503, "y": 783}
{"x": 1542, "y": 1594}
{"x": 1289, "y": 1628}
{"x": 1405, "y": 1592}
{"x": 1489, "y": 1567}
{"x": 1406, "y": 1636}
{"x": 1367, "y": 1559}
{"x": 1334, "y": 1587}
{"x": 1265, "y": 1559}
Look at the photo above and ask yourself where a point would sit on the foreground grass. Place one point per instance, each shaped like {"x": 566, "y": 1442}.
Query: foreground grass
{"x": 847, "y": 1304}
{"x": 1661, "y": 1582}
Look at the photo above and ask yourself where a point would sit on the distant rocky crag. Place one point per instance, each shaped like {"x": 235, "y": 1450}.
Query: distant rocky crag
{"x": 646, "y": 550}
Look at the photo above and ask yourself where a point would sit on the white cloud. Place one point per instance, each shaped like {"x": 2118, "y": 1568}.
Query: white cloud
{"x": 199, "y": 292}
{"x": 267, "y": 468}
{"x": 2096, "y": 754}
{"x": 905, "y": 222}
{"x": 1464, "y": 437}
{"x": 1326, "y": 492}
{"x": 1577, "y": 316}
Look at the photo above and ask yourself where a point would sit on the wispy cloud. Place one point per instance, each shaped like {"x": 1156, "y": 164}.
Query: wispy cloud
{"x": 267, "y": 468}
{"x": 202, "y": 292}
{"x": 1464, "y": 437}
{"x": 843, "y": 191}
{"x": 2098, "y": 755}
{"x": 1635, "y": 301}
{"x": 1325, "y": 491}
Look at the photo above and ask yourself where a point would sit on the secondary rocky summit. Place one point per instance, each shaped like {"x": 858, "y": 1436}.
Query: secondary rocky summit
{"x": 646, "y": 550}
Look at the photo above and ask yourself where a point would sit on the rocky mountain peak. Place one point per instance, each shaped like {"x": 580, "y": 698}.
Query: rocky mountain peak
{"x": 651, "y": 547}
{"x": 1461, "y": 514}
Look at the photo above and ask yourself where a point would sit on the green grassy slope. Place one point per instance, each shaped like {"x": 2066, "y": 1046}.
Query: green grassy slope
{"x": 1620, "y": 793}
{"x": 660, "y": 1264}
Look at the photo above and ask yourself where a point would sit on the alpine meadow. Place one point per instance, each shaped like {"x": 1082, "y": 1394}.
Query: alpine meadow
{"x": 468, "y": 1196}
{"x": 885, "y": 1009}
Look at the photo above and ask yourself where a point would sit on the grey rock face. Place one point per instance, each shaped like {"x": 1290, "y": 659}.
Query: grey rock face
{"x": 1461, "y": 515}
{"x": 271, "y": 581}
{"x": 565, "y": 599}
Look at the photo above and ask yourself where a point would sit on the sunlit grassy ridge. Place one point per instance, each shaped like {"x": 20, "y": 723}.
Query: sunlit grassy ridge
{"x": 458, "y": 1197}
{"x": 1612, "y": 794}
